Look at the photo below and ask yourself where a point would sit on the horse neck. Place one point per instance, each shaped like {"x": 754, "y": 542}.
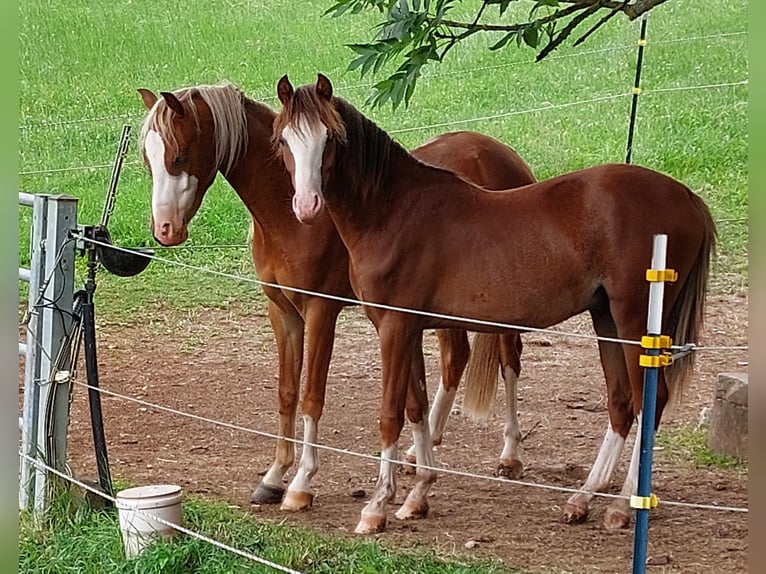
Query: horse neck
{"x": 376, "y": 178}
{"x": 259, "y": 178}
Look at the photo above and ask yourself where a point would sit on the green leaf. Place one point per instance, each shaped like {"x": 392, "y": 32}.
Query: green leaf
{"x": 531, "y": 36}
{"x": 502, "y": 41}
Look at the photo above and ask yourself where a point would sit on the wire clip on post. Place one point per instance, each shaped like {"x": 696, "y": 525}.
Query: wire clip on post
{"x": 657, "y": 275}
{"x": 644, "y": 502}
{"x": 658, "y": 343}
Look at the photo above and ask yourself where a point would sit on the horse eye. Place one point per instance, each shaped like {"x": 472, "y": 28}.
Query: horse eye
{"x": 179, "y": 160}
{"x": 282, "y": 141}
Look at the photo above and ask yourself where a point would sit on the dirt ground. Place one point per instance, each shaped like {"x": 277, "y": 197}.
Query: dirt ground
{"x": 222, "y": 364}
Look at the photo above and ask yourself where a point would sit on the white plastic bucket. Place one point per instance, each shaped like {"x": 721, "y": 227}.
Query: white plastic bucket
{"x": 138, "y": 529}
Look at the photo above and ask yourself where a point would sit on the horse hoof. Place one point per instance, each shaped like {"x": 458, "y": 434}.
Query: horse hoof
{"x": 412, "y": 510}
{"x": 295, "y": 501}
{"x": 574, "y": 514}
{"x": 371, "y": 524}
{"x": 267, "y": 494}
{"x": 616, "y": 518}
{"x": 512, "y": 469}
{"x": 406, "y": 468}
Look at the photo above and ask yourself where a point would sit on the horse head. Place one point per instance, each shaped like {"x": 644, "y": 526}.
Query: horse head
{"x": 307, "y": 133}
{"x": 177, "y": 141}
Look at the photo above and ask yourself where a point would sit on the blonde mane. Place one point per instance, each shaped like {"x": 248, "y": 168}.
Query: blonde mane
{"x": 226, "y": 103}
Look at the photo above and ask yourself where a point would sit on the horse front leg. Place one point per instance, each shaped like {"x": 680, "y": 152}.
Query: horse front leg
{"x": 416, "y": 504}
{"x": 510, "y": 465}
{"x": 321, "y": 317}
{"x": 454, "y": 351}
{"x": 288, "y": 331}
{"x": 396, "y": 348}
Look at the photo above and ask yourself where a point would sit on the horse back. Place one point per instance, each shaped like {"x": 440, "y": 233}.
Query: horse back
{"x": 478, "y": 158}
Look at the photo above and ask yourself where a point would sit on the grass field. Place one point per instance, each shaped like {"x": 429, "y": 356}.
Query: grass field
{"x": 82, "y": 60}
{"x": 79, "y": 539}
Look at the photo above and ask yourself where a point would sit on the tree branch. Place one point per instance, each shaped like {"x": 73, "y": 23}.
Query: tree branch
{"x": 632, "y": 11}
{"x": 416, "y": 33}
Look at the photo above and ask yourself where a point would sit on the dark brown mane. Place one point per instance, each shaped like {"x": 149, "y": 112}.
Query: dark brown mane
{"x": 306, "y": 103}
{"x": 364, "y": 149}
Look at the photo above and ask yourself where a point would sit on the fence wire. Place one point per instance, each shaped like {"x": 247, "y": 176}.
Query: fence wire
{"x": 686, "y": 346}
{"x": 199, "y": 536}
{"x": 365, "y": 456}
{"x": 267, "y": 93}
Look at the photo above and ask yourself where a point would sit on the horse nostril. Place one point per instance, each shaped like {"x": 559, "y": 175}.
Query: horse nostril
{"x": 316, "y": 202}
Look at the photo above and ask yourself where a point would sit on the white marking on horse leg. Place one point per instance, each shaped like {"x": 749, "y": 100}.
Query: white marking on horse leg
{"x": 599, "y": 476}
{"x": 618, "y": 513}
{"x": 416, "y": 504}
{"x": 306, "y": 145}
{"x": 282, "y": 463}
{"x": 631, "y": 480}
{"x": 510, "y": 459}
{"x": 299, "y": 494}
{"x": 440, "y": 411}
{"x": 373, "y": 517}
{"x": 437, "y": 418}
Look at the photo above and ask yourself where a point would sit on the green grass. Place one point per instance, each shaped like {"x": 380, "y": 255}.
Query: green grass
{"x": 689, "y": 444}
{"x": 82, "y": 60}
{"x": 72, "y": 537}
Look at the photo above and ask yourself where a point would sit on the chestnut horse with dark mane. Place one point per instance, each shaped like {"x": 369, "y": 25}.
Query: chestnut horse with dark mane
{"x": 421, "y": 238}
{"x": 191, "y": 134}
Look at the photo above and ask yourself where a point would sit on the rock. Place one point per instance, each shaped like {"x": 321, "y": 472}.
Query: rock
{"x": 471, "y": 544}
{"x": 658, "y": 560}
{"x": 727, "y": 434}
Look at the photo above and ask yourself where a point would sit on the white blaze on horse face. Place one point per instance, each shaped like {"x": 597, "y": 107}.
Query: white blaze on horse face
{"x": 172, "y": 195}
{"x": 307, "y": 145}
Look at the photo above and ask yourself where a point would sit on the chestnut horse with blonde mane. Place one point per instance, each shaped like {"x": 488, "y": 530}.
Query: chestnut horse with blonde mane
{"x": 191, "y": 134}
{"x": 420, "y": 238}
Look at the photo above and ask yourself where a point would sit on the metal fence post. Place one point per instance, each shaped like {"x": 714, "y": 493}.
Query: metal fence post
{"x": 39, "y": 204}
{"x": 46, "y": 385}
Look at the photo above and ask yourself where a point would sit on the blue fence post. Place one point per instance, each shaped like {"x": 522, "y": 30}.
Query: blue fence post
{"x": 653, "y": 359}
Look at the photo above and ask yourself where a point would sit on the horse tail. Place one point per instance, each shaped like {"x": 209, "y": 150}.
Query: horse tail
{"x": 481, "y": 376}
{"x": 687, "y": 313}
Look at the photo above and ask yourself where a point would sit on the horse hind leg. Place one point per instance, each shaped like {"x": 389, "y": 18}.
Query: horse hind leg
{"x": 416, "y": 504}
{"x": 618, "y": 513}
{"x": 320, "y": 334}
{"x": 620, "y": 405}
{"x": 288, "y": 331}
{"x": 455, "y": 351}
{"x": 511, "y": 465}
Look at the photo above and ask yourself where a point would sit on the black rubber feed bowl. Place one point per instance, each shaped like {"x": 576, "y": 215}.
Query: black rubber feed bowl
{"x": 122, "y": 263}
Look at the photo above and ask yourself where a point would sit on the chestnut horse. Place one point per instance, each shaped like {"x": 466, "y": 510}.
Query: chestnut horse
{"x": 421, "y": 238}
{"x": 191, "y": 134}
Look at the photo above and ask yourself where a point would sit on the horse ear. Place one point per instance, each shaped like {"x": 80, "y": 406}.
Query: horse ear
{"x": 324, "y": 87}
{"x": 284, "y": 90}
{"x": 148, "y": 97}
{"x": 173, "y": 103}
